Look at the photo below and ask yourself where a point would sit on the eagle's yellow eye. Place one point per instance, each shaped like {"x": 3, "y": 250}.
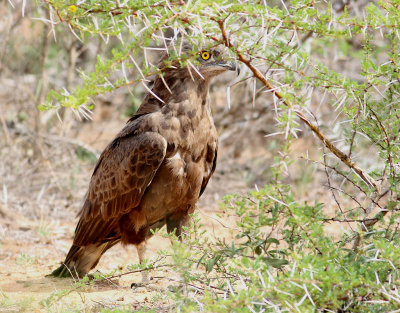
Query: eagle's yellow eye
{"x": 205, "y": 55}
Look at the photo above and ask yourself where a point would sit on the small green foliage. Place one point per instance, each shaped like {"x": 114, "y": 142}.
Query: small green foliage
{"x": 302, "y": 270}
{"x": 54, "y": 297}
{"x": 7, "y": 304}
{"x": 43, "y": 230}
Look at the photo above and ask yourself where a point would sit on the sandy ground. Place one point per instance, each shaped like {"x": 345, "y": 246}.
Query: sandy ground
{"x": 27, "y": 254}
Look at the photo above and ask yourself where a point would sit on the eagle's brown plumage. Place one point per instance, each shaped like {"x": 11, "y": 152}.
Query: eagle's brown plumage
{"x": 154, "y": 171}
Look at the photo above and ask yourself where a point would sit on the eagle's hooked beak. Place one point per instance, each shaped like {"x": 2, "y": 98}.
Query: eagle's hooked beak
{"x": 233, "y": 66}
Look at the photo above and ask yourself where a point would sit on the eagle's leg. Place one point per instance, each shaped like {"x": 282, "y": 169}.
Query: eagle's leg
{"x": 176, "y": 223}
{"x": 141, "y": 250}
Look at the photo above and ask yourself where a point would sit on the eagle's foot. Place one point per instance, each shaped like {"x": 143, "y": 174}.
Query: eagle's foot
{"x": 138, "y": 285}
{"x": 145, "y": 279}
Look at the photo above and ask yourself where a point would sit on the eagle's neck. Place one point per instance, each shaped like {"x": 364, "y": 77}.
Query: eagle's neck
{"x": 183, "y": 118}
{"x": 179, "y": 90}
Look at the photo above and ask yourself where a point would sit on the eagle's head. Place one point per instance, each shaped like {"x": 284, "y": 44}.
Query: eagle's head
{"x": 204, "y": 63}
{"x": 212, "y": 62}
{"x": 181, "y": 68}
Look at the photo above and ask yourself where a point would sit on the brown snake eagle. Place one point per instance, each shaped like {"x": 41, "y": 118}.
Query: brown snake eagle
{"x": 155, "y": 169}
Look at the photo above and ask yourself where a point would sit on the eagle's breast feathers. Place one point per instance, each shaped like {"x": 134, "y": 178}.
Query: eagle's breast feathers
{"x": 156, "y": 167}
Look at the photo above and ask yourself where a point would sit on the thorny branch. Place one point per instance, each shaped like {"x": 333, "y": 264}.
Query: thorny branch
{"x": 367, "y": 223}
{"x": 314, "y": 128}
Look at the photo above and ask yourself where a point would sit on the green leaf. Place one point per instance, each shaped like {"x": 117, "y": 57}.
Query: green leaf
{"x": 277, "y": 263}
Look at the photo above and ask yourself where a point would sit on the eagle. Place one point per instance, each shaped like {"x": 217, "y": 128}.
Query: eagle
{"x": 156, "y": 168}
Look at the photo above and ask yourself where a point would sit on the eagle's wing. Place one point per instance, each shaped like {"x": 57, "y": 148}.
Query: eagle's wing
{"x": 124, "y": 171}
{"x": 211, "y": 164}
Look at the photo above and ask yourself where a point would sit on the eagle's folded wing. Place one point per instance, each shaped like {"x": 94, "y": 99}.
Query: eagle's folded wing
{"x": 211, "y": 164}
{"x": 124, "y": 171}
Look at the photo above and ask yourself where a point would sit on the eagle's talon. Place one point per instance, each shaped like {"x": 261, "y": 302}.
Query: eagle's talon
{"x": 144, "y": 283}
{"x": 139, "y": 285}
{"x": 136, "y": 285}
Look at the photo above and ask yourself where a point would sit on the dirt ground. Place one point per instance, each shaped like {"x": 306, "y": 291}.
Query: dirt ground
{"x": 26, "y": 257}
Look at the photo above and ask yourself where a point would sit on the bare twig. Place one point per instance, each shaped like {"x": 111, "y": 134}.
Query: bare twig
{"x": 369, "y": 223}
{"x": 333, "y": 192}
{"x": 191, "y": 285}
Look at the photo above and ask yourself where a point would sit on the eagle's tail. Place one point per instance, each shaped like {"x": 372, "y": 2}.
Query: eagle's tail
{"x": 80, "y": 260}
